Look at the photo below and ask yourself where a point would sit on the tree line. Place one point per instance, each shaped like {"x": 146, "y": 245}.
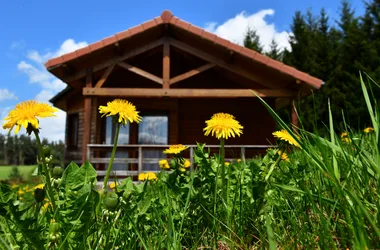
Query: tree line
{"x": 334, "y": 51}
{"x": 22, "y": 150}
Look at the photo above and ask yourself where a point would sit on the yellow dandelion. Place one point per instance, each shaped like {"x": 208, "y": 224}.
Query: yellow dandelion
{"x": 113, "y": 185}
{"x": 124, "y": 110}
{"x": 147, "y": 176}
{"x": 343, "y": 134}
{"x": 186, "y": 164}
{"x": 142, "y": 177}
{"x": 285, "y": 136}
{"x": 164, "y": 164}
{"x": 223, "y": 125}
{"x": 346, "y": 139}
{"x": 40, "y": 186}
{"x": 182, "y": 169}
{"x": 26, "y": 113}
{"x": 46, "y": 206}
{"x": 14, "y": 186}
{"x": 175, "y": 149}
{"x": 369, "y": 130}
{"x": 283, "y": 156}
{"x": 227, "y": 163}
{"x": 238, "y": 160}
{"x": 151, "y": 176}
{"x": 20, "y": 192}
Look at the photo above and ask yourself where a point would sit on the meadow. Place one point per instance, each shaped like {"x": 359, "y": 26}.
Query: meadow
{"x": 25, "y": 171}
{"x": 309, "y": 192}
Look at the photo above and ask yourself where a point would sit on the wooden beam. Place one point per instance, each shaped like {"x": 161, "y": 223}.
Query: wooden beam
{"x": 191, "y": 73}
{"x": 189, "y": 93}
{"x": 116, "y": 59}
{"x": 104, "y": 77}
{"x": 166, "y": 65}
{"x": 140, "y": 72}
{"x": 87, "y": 117}
{"x": 230, "y": 67}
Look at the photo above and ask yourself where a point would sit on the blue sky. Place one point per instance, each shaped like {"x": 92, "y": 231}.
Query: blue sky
{"x": 34, "y": 31}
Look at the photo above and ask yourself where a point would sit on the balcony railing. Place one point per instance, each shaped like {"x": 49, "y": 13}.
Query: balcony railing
{"x": 99, "y": 156}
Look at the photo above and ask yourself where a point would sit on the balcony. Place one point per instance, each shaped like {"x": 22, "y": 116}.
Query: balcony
{"x": 131, "y": 160}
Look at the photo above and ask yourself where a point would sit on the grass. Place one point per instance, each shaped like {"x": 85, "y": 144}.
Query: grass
{"x": 25, "y": 171}
{"x": 324, "y": 196}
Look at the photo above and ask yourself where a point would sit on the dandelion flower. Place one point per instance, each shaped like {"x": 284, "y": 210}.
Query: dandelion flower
{"x": 142, "y": 177}
{"x": 227, "y": 163}
{"x": 283, "y": 156}
{"x": 223, "y": 125}
{"x": 26, "y": 113}
{"x": 40, "y": 186}
{"x": 347, "y": 140}
{"x": 285, "y": 136}
{"x": 147, "y": 176}
{"x": 343, "y": 134}
{"x": 45, "y": 206}
{"x": 124, "y": 110}
{"x": 164, "y": 164}
{"x": 368, "y": 130}
{"x": 113, "y": 185}
{"x": 175, "y": 149}
{"x": 151, "y": 176}
{"x": 186, "y": 164}
{"x": 20, "y": 192}
{"x": 182, "y": 169}
{"x": 238, "y": 160}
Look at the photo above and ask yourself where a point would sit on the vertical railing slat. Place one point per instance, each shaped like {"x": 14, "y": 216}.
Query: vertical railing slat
{"x": 140, "y": 160}
{"x": 191, "y": 158}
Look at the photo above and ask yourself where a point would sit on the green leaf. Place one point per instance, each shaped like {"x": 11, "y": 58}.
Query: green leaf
{"x": 144, "y": 204}
{"x": 84, "y": 175}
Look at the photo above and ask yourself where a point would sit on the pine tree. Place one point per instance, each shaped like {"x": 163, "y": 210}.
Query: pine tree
{"x": 2, "y": 150}
{"x": 274, "y": 51}
{"x": 10, "y": 150}
{"x": 252, "y": 40}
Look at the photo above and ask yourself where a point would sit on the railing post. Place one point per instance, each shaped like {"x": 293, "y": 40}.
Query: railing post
{"x": 191, "y": 158}
{"x": 139, "y": 170}
{"x": 242, "y": 156}
{"x": 88, "y": 153}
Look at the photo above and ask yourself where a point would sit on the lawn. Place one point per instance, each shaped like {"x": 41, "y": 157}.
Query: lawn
{"x": 25, "y": 171}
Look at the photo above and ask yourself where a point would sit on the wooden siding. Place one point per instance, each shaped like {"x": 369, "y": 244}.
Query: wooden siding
{"x": 258, "y": 124}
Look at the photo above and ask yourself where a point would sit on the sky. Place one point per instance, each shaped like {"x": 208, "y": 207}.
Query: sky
{"x": 34, "y": 31}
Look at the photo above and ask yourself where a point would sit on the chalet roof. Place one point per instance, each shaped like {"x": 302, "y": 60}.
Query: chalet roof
{"x": 56, "y": 65}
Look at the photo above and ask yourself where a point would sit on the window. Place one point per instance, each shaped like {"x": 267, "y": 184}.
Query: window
{"x": 72, "y": 130}
{"x": 153, "y": 130}
{"x": 122, "y": 140}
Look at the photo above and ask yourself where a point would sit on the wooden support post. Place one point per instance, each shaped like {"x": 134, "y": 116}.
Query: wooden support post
{"x": 166, "y": 65}
{"x": 87, "y": 118}
{"x": 293, "y": 112}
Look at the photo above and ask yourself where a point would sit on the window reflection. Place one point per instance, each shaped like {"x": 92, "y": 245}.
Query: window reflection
{"x": 153, "y": 130}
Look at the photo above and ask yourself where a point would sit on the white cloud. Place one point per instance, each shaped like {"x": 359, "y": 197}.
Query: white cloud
{"x": 235, "y": 28}
{"x": 33, "y": 66}
{"x": 5, "y": 94}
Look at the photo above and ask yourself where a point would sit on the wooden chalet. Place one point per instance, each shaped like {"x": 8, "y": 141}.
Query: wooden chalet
{"x": 178, "y": 75}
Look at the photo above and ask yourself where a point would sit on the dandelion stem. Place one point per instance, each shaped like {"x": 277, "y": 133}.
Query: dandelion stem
{"x": 223, "y": 176}
{"x": 47, "y": 173}
{"x": 112, "y": 156}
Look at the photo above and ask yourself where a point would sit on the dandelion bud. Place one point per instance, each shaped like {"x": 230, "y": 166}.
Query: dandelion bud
{"x": 111, "y": 201}
{"x": 46, "y": 150}
{"x": 39, "y": 194}
{"x": 57, "y": 172}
